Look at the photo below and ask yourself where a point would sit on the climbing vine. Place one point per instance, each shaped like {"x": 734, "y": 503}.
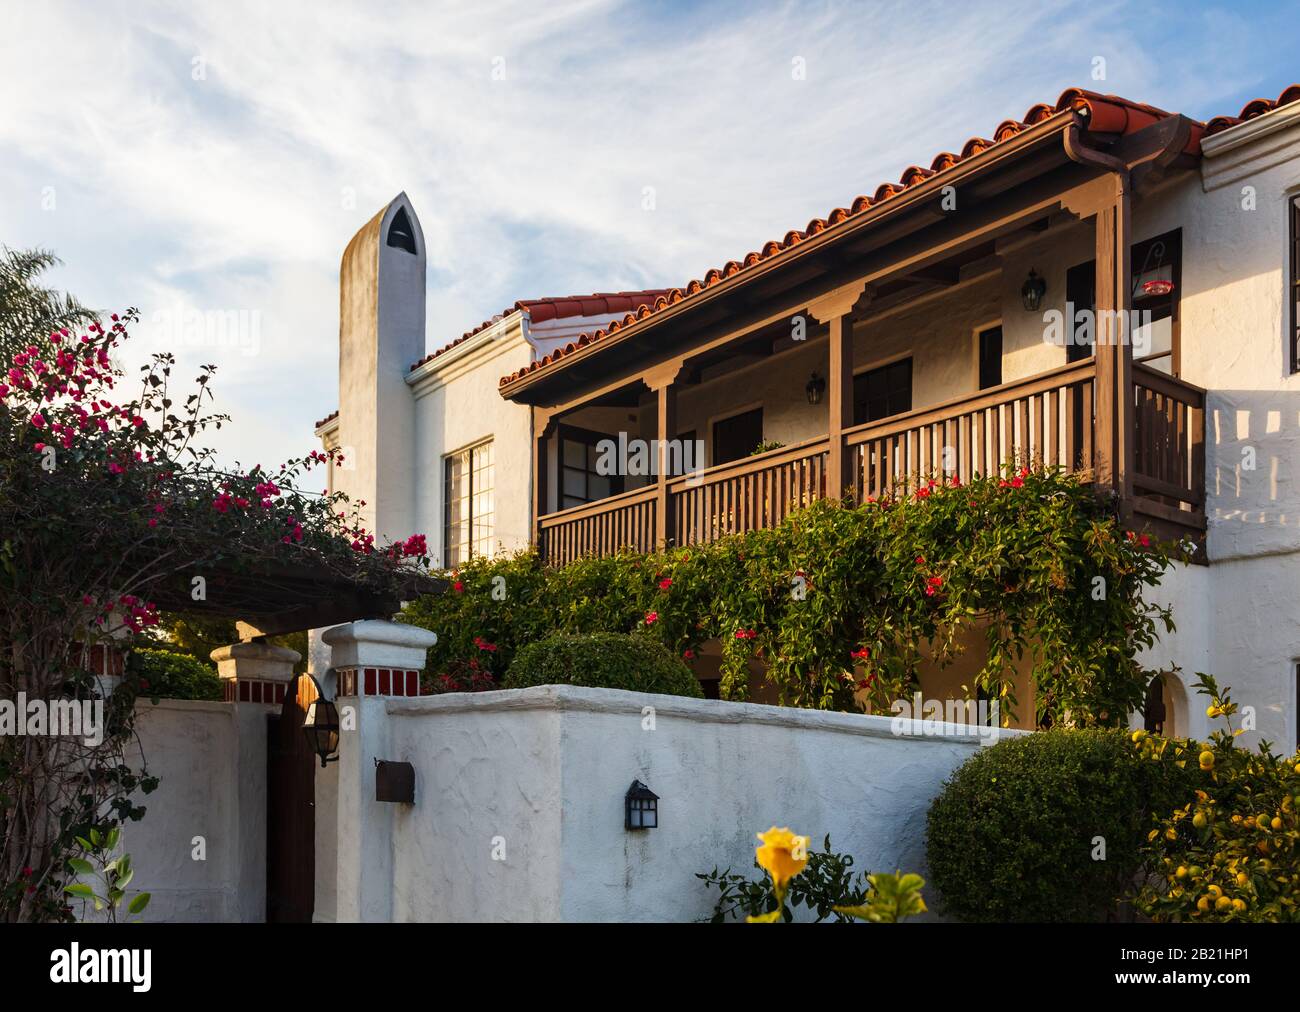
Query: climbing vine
{"x": 841, "y": 602}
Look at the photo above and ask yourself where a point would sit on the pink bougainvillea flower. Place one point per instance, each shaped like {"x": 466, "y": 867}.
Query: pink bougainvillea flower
{"x": 38, "y": 420}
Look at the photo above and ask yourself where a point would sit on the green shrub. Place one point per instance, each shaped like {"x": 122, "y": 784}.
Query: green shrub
{"x": 1017, "y": 831}
{"x": 603, "y": 660}
{"x": 840, "y": 601}
{"x": 164, "y": 674}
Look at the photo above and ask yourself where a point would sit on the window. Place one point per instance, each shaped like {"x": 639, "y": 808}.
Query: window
{"x": 400, "y": 233}
{"x": 1080, "y": 293}
{"x": 468, "y": 505}
{"x": 580, "y": 480}
{"x": 1154, "y": 260}
{"x": 1294, "y": 294}
{"x": 990, "y": 353}
{"x": 1156, "y": 264}
{"x": 737, "y": 436}
{"x": 879, "y": 393}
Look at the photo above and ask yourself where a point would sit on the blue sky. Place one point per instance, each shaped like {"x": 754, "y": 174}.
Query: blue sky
{"x": 210, "y": 161}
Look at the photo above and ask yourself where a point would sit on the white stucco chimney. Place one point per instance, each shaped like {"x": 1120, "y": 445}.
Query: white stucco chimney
{"x": 381, "y": 333}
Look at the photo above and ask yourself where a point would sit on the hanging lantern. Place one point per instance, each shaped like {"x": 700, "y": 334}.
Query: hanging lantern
{"x": 1160, "y": 286}
{"x": 1032, "y": 292}
{"x": 322, "y": 729}
{"x": 814, "y": 388}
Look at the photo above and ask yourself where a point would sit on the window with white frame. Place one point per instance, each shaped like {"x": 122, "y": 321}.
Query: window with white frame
{"x": 469, "y": 507}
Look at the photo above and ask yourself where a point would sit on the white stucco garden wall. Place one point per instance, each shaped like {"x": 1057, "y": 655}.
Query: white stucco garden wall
{"x": 212, "y": 784}
{"x": 518, "y": 812}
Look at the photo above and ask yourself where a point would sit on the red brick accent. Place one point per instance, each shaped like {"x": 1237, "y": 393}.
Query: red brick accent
{"x": 253, "y": 690}
{"x": 378, "y": 682}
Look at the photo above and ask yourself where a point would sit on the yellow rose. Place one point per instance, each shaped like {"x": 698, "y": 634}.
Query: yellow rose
{"x": 782, "y": 855}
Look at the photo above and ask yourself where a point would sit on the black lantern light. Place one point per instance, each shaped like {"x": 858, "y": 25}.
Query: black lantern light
{"x": 1032, "y": 292}
{"x": 322, "y": 727}
{"x": 814, "y": 388}
{"x": 641, "y": 807}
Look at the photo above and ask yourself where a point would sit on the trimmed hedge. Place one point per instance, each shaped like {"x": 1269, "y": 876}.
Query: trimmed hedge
{"x": 165, "y": 674}
{"x": 602, "y": 660}
{"x": 1012, "y": 837}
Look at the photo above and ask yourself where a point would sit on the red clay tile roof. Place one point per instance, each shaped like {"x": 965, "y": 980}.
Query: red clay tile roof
{"x": 328, "y": 418}
{"x": 1108, "y": 114}
{"x": 1251, "y": 110}
{"x": 539, "y": 310}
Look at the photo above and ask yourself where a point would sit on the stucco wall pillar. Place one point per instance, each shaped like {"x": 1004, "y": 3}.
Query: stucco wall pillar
{"x": 372, "y": 661}
{"x": 254, "y": 676}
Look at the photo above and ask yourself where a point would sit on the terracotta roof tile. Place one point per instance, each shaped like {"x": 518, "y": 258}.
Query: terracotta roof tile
{"x": 328, "y": 418}
{"x": 1107, "y": 114}
{"x": 1251, "y": 110}
{"x": 539, "y": 310}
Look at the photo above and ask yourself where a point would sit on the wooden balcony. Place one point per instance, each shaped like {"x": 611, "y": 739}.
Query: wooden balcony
{"x": 1049, "y": 420}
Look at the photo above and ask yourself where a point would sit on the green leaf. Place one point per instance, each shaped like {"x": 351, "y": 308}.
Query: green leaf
{"x": 138, "y": 903}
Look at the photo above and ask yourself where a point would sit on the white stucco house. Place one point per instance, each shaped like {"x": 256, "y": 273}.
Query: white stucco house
{"x": 916, "y": 314}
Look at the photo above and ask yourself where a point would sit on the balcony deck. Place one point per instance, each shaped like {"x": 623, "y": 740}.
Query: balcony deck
{"x": 1047, "y": 419}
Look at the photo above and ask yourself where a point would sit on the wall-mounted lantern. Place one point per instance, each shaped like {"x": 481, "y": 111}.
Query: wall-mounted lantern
{"x": 322, "y": 727}
{"x": 814, "y": 388}
{"x": 394, "y": 782}
{"x": 1032, "y": 292}
{"x": 640, "y": 807}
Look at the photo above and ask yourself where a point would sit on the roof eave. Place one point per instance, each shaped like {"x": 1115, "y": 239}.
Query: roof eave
{"x": 976, "y": 165}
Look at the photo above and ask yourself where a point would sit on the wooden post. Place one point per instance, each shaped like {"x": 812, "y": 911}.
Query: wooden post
{"x": 835, "y": 309}
{"x": 543, "y": 427}
{"x": 1113, "y": 435}
{"x": 666, "y": 429}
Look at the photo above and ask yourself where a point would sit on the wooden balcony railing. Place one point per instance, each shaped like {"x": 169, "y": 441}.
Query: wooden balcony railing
{"x": 1046, "y": 420}
{"x": 600, "y": 528}
{"x": 749, "y": 494}
{"x": 1169, "y": 447}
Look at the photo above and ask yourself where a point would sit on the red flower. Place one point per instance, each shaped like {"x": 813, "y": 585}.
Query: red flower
{"x": 689, "y": 654}
{"x": 665, "y": 583}
{"x": 483, "y": 644}
{"x": 745, "y": 634}
{"x": 458, "y": 587}
{"x": 651, "y": 617}
{"x": 861, "y": 654}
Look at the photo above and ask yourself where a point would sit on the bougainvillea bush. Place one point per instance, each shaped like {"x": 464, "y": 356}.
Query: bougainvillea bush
{"x": 107, "y": 495}
{"x": 842, "y": 599}
{"x": 1230, "y": 850}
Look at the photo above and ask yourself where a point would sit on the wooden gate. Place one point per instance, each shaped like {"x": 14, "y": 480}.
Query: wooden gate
{"x": 290, "y": 809}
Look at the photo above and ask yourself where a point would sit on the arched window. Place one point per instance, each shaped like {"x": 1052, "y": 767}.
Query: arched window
{"x": 400, "y": 232}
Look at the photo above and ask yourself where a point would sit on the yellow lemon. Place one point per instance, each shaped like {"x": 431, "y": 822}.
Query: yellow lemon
{"x": 1199, "y": 820}
{"x": 1239, "y": 905}
{"x": 1206, "y": 759}
{"x": 1222, "y": 903}
{"x": 1262, "y": 822}
{"x": 1242, "y": 878}
{"x": 1276, "y": 823}
{"x": 1181, "y": 872}
{"x": 1215, "y": 891}
{"x": 1203, "y": 904}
